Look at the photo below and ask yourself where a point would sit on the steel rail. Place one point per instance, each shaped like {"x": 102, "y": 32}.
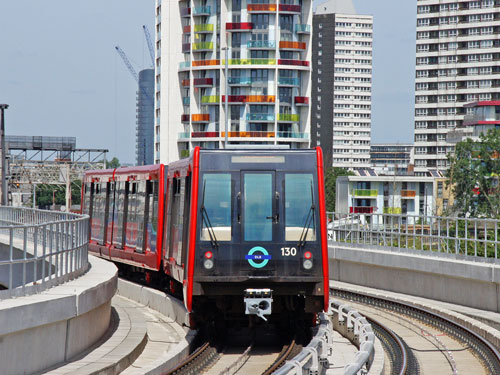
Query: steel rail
{"x": 204, "y": 354}
{"x": 280, "y": 361}
{"x": 487, "y": 352}
{"x": 400, "y": 354}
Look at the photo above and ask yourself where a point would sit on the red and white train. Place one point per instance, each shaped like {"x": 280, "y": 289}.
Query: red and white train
{"x": 237, "y": 231}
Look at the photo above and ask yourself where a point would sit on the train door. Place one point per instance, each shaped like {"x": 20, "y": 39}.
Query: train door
{"x": 260, "y": 218}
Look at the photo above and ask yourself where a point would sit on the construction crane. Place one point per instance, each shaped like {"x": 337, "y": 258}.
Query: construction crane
{"x": 133, "y": 72}
{"x": 150, "y": 44}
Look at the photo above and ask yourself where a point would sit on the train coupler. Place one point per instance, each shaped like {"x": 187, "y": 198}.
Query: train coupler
{"x": 258, "y": 302}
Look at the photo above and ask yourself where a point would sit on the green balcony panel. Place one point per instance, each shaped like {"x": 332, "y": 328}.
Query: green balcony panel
{"x": 366, "y": 192}
{"x": 392, "y": 210}
{"x": 203, "y": 27}
{"x": 203, "y": 45}
{"x": 184, "y": 153}
{"x": 289, "y": 117}
{"x": 210, "y": 99}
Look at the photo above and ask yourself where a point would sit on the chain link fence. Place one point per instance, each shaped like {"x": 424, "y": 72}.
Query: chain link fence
{"x": 40, "y": 249}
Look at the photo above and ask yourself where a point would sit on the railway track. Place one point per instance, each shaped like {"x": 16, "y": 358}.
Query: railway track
{"x": 433, "y": 343}
{"x": 209, "y": 360}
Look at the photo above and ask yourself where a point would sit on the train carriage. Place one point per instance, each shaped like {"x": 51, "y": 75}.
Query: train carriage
{"x": 238, "y": 231}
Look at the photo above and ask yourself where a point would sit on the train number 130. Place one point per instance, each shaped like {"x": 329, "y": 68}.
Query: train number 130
{"x": 288, "y": 251}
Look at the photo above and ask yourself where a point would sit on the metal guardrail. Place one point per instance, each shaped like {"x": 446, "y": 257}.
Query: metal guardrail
{"x": 40, "y": 249}
{"x": 472, "y": 237}
{"x": 350, "y": 324}
{"x": 313, "y": 359}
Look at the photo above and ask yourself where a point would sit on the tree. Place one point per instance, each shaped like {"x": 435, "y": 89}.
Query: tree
{"x": 46, "y": 195}
{"x": 473, "y": 173}
{"x": 331, "y": 175}
{"x": 113, "y": 163}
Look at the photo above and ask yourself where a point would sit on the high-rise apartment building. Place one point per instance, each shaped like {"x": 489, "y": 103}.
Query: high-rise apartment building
{"x": 342, "y": 81}
{"x": 456, "y": 63}
{"x": 268, "y": 84}
{"x": 144, "y": 146}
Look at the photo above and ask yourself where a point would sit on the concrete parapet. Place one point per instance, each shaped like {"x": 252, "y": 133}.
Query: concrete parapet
{"x": 43, "y": 330}
{"x": 424, "y": 274}
{"x": 169, "y": 307}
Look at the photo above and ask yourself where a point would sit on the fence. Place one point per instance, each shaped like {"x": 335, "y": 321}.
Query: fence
{"x": 473, "y": 237}
{"x": 40, "y": 249}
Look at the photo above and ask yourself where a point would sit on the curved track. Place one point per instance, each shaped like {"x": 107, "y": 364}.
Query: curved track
{"x": 438, "y": 345}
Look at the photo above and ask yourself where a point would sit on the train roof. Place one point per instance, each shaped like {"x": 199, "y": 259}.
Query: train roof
{"x": 116, "y": 173}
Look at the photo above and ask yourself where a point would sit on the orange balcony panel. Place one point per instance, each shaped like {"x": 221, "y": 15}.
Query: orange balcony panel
{"x": 205, "y": 62}
{"x": 249, "y": 134}
{"x": 261, "y": 7}
{"x": 408, "y": 193}
{"x": 292, "y": 45}
{"x": 186, "y": 29}
{"x": 185, "y": 82}
{"x": 202, "y": 117}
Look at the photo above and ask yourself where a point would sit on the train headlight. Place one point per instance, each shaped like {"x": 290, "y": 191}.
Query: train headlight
{"x": 208, "y": 264}
{"x": 307, "y": 263}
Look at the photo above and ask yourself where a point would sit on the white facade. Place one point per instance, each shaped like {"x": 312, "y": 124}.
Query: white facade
{"x": 352, "y": 91}
{"x": 385, "y": 195}
{"x": 268, "y": 82}
{"x": 456, "y": 63}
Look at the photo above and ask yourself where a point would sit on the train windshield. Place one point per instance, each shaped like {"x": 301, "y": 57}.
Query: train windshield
{"x": 299, "y": 207}
{"x": 216, "y": 207}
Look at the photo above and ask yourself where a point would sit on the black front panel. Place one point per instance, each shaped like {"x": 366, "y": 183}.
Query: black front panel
{"x": 254, "y": 209}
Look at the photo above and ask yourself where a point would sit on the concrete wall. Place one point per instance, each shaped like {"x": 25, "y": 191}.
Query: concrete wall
{"x": 43, "y": 330}
{"x": 430, "y": 275}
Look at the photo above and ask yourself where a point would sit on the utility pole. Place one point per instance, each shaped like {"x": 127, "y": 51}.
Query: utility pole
{"x": 3, "y": 107}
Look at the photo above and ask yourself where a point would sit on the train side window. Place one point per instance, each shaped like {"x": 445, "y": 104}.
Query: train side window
{"x": 131, "y": 226}
{"x": 120, "y": 196}
{"x": 111, "y": 213}
{"x": 152, "y": 215}
{"x": 216, "y": 207}
{"x": 299, "y": 203}
{"x": 176, "y": 219}
{"x": 140, "y": 215}
{"x": 98, "y": 212}
{"x": 86, "y": 198}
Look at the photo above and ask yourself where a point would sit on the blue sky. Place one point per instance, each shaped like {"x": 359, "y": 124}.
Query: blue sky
{"x": 62, "y": 77}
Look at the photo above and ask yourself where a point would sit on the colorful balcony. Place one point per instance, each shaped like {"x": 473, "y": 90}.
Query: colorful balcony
{"x": 293, "y": 62}
{"x": 186, "y": 101}
{"x": 239, "y": 26}
{"x": 301, "y": 100}
{"x": 288, "y": 8}
{"x": 239, "y": 81}
{"x": 210, "y": 99}
{"x": 288, "y": 81}
{"x": 186, "y": 47}
{"x": 186, "y": 29}
{"x": 183, "y": 136}
{"x": 185, "y": 82}
{"x": 204, "y": 28}
{"x": 250, "y": 61}
{"x": 202, "y": 117}
{"x": 260, "y": 117}
{"x": 205, "y": 62}
{"x": 288, "y": 117}
{"x": 203, "y": 46}
{"x": 361, "y": 210}
{"x": 288, "y": 45}
{"x": 248, "y": 134}
{"x": 203, "y": 82}
{"x": 185, "y": 12}
{"x": 184, "y": 153}
{"x": 261, "y": 44}
{"x": 201, "y": 11}
{"x": 392, "y": 210}
{"x": 302, "y": 29}
{"x": 184, "y": 118}
{"x": 184, "y": 65}
{"x": 408, "y": 194}
{"x": 366, "y": 193}
{"x": 293, "y": 135}
{"x": 205, "y": 134}
{"x": 250, "y": 99}
{"x": 261, "y": 8}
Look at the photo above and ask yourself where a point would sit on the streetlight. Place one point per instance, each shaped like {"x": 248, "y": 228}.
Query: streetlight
{"x": 3, "y": 107}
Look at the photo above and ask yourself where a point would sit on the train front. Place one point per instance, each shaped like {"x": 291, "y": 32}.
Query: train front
{"x": 260, "y": 238}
